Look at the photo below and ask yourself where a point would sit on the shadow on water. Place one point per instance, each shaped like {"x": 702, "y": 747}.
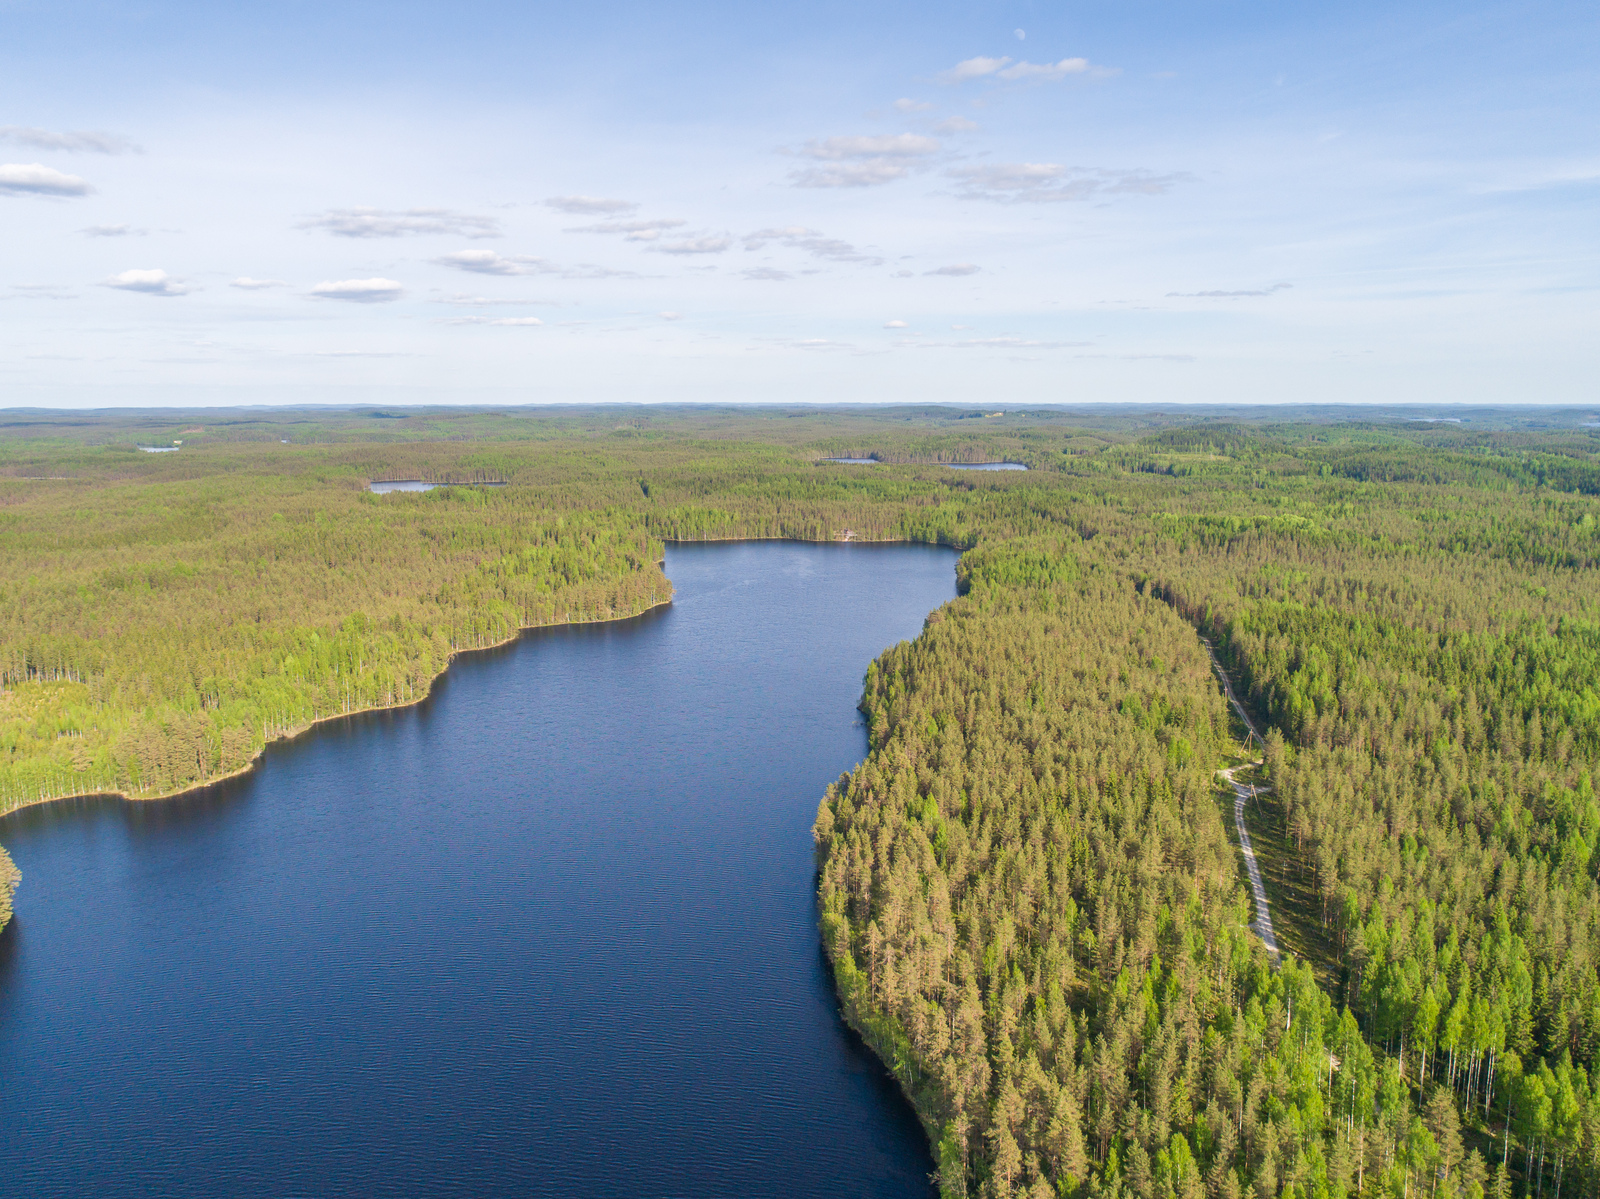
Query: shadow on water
{"x": 550, "y": 931}
{"x": 207, "y": 803}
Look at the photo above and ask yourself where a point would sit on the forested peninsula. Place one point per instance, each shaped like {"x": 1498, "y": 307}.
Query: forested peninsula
{"x": 1029, "y": 890}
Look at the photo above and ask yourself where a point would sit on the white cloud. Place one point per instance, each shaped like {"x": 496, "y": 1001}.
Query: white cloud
{"x": 850, "y": 174}
{"x": 374, "y": 222}
{"x": 113, "y": 231}
{"x": 896, "y": 325}
{"x": 1228, "y": 295}
{"x": 973, "y": 68}
{"x": 501, "y": 322}
{"x": 359, "y": 291}
{"x": 694, "y": 245}
{"x": 36, "y": 179}
{"x": 70, "y": 140}
{"x": 1046, "y": 70}
{"x": 670, "y": 316}
{"x": 766, "y": 274}
{"x": 885, "y": 145}
{"x": 487, "y": 262}
{"x": 1039, "y": 182}
{"x": 798, "y": 237}
{"x": 904, "y": 105}
{"x": 637, "y": 230}
{"x": 246, "y": 283}
{"x": 152, "y": 282}
{"x": 863, "y": 161}
{"x": 959, "y": 268}
{"x": 955, "y": 125}
{"x": 589, "y": 205}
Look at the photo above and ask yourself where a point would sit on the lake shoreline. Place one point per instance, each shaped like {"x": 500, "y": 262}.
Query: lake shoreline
{"x": 301, "y": 730}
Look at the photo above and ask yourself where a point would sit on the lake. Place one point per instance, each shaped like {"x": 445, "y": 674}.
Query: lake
{"x": 385, "y": 486}
{"x": 551, "y": 932}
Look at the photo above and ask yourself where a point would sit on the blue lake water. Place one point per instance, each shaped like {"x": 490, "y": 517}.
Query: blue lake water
{"x": 551, "y": 932}
{"x": 987, "y": 465}
{"x": 385, "y": 486}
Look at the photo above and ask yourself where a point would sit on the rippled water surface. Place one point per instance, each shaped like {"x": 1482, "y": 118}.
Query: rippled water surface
{"x": 550, "y": 933}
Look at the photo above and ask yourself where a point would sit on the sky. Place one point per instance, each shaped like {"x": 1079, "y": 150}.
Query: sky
{"x": 1003, "y": 204}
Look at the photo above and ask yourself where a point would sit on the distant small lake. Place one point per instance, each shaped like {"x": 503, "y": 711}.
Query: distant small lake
{"x": 388, "y": 485}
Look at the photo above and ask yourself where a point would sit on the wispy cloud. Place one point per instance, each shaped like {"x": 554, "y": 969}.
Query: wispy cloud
{"x": 1043, "y": 182}
{"x": 766, "y": 274}
{"x": 487, "y": 262}
{"x": 1045, "y": 70}
{"x": 670, "y": 316}
{"x": 42, "y": 291}
{"x": 958, "y": 269}
{"x": 973, "y": 68}
{"x": 862, "y": 161}
{"x": 590, "y": 205}
{"x": 246, "y": 283}
{"x": 69, "y": 140}
{"x": 500, "y": 322}
{"x": 955, "y": 125}
{"x": 359, "y": 291}
{"x": 887, "y": 145}
{"x": 154, "y": 282}
{"x": 895, "y": 325}
{"x": 693, "y": 245}
{"x": 375, "y": 222}
{"x": 634, "y": 230}
{"x": 851, "y": 174}
{"x": 906, "y": 105}
{"x": 36, "y": 179}
{"x": 1228, "y": 295}
{"x": 807, "y": 344}
{"x": 1003, "y": 68}
{"x": 798, "y": 237}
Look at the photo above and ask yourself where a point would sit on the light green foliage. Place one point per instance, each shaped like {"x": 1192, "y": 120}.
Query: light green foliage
{"x": 10, "y": 876}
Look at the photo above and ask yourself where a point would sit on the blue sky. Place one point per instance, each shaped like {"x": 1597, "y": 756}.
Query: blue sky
{"x": 1010, "y": 203}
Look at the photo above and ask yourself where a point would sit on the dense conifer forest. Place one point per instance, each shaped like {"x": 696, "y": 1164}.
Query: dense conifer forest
{"x": 1029, "y": 890}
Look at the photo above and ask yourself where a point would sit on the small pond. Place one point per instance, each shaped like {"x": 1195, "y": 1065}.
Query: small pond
{"x": 385, "y": 486}
{"x": 986, "y": 466}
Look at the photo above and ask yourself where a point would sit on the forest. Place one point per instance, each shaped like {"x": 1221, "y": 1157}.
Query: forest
{"x": 1029, "y": 890}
